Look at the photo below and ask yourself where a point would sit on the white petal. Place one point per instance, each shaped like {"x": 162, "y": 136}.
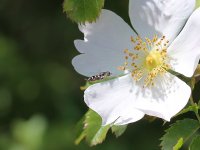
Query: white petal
{"x": 160, "y": 17}
{"x": 128, "y": 100}
{"x": 103, "y": 45}
{"x": 113, "y": 101}
{"x": 93, "y": 63}
{"x": 165, "y": 99}
{"x": 185, "y": 50}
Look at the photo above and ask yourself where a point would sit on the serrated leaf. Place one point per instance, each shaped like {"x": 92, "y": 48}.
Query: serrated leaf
{"x": 118, "y": 130}
{"x": 80, "y": 138}
{"x": 92, "y": 130}
{"x": 100, "y": 135}
{"x": 181, "y": 129}
{"x": 96, "y": 133}
{"x": 81, "y": 11}
{"x": 179, "y": 144}
{"x": 195, "y": 144}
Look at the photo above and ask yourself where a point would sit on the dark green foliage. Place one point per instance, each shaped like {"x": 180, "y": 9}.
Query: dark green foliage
{"x": 181, "y": 129}
{"x": 195, "y": 144}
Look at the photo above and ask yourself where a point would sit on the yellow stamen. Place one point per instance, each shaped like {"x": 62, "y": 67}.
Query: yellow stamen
{"x": 147, "y": 57}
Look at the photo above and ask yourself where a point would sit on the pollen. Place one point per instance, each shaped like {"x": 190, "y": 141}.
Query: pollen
{"x": 147, "y": 59}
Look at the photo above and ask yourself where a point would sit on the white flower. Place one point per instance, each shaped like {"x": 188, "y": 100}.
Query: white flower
{"x": 148, "y": 87}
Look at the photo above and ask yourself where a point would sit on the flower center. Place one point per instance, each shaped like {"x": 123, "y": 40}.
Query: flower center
{"x": 147, "y": 60}
{"x": 153, "y": 60}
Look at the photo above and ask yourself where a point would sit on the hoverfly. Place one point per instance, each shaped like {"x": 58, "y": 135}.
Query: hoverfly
{"x": 99, "y": 76}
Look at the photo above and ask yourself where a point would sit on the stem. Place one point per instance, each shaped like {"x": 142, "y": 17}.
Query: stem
{"x": 196, "y": 110}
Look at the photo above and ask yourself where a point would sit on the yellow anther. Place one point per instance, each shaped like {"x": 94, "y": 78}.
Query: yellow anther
{"x": 126, "y": 57}
{"x": 130, "y": 54}
{"x": 155, "y": 38}
{"x": 126, "y": 51}
{"x": 148, "y": 57}
{"x": 133, "y": 40}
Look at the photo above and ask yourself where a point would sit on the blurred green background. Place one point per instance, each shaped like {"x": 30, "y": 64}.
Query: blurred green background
{"x": 40, "y": 97}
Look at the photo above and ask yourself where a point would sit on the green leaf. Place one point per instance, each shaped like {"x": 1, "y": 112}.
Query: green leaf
{"x": 119, "y": 130}
{"x": 181, "y": 129}
{"x": 179, "y": 144}
{"x": 100, "y": 135}
{"x": 195, "y": 144}
{"x": 193, "y": 108}
{"x": 81, "y": 11}
{"x": 80, "y": 138}
{"x": 92, "y": 130}
{"x": 79, "y": 131}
